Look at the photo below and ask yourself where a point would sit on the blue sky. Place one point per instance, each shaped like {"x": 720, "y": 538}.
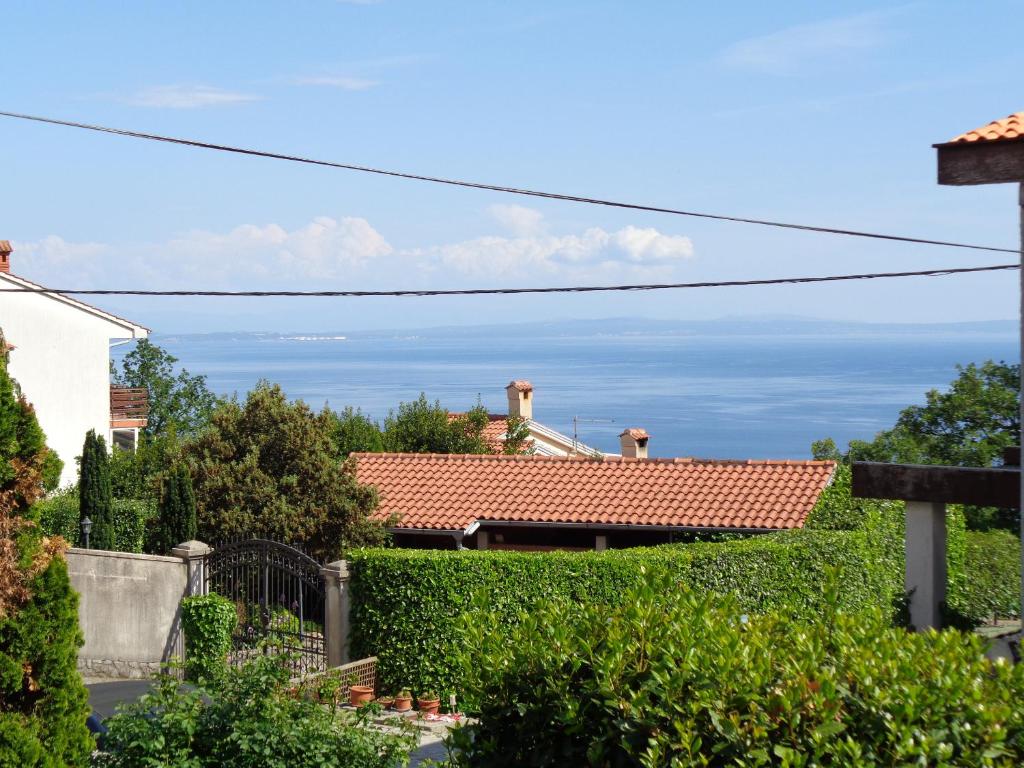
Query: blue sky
{"x": 809, "y": 112}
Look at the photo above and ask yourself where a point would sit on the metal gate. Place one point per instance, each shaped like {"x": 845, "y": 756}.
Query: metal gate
{"x": 278, "y": 594}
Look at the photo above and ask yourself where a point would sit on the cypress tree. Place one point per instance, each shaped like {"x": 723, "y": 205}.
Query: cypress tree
{"x": 177, "y": 509}
{"x": 95, "y": 498}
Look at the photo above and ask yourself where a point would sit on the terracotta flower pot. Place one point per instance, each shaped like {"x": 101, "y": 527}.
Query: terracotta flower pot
{"x": 428, "y": 706}
{"x": 403, "y": 703}
{"x": 386, "y": 701}
{"x": 359, "y": 695}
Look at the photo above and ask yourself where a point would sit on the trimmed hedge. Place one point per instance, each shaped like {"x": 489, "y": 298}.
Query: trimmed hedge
{"x": 59, "y": 516}
{"x": 208, "y": 621}
{"x": 406, "y": 604}
{"x": 676, "y": 677}
{"x": 991, "y": 588}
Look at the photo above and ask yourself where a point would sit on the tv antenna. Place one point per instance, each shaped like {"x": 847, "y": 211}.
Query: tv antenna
{"x": 576, "y": 421}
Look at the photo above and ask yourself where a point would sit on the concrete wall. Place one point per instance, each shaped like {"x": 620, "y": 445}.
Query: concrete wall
{"x": 129, "y": 611}
{"x": 61, "y": 360}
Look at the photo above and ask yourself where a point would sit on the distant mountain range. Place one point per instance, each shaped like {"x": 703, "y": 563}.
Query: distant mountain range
{"x": 761, "y": 325}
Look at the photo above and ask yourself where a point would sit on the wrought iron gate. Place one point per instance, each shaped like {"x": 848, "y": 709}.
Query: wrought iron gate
{"x": 278, "y": 594}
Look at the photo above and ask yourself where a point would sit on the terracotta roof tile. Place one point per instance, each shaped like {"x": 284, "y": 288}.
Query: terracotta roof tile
{"x": 1010, "y": 127}
{"x": 636, "y": 433}
{"x": 521, "y": 385}
{"x": 451, "y": 492}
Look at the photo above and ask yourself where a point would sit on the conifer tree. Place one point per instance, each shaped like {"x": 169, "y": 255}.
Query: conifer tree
{"x": 43, "y": 703}
{"x": 95, "y": 498}
{"x": 177, "y": 509}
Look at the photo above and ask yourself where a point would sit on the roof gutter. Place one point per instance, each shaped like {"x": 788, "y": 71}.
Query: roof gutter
{"x": 473, "y": 527}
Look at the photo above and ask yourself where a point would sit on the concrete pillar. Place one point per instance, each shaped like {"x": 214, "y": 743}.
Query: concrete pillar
{"x": 336, "y": 617}
{"x": 483, "y": 540}
{"x": 600, "y": 542}
{"x": 194, "y": 554}
{"x": 926, "y": 562}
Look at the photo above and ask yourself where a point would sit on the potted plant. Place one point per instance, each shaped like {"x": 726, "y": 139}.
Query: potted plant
{"x": 358, "y": 694}
{"x": 386, "y": 701}
{"x": 429, "y": 703}
{"x": 403, "y": 701}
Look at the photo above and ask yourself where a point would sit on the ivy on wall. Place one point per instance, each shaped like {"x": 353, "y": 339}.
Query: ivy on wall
{"x": 208, "y": 621}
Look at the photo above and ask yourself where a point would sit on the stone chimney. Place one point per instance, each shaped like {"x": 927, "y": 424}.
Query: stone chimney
{"x": 634, "y": 443}
{"x": 5, "y": 256}
{"x": 520, "y": 399}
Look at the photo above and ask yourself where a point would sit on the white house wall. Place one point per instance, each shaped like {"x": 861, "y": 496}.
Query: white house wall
{"x": 61, "y": 360}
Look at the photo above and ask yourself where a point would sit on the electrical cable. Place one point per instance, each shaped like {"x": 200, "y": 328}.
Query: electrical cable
{"x": 500, "y": 188}
{"x": 504, "y": 291}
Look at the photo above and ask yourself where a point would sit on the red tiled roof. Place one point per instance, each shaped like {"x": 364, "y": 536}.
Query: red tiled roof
{"x": 451, "y": 492}
{"x": 1010, "y": 127}
{"x": 636, "y": 433}
{"x": 521, "y": 385}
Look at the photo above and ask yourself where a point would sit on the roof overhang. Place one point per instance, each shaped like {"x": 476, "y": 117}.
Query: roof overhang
{"x": 610, "y": 527}
{"x": 123, "y": 328}
{"x": 981, "y": 162}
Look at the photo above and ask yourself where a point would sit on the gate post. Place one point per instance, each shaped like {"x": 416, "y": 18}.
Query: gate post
{"x": 336, "y": 613}
{"x": 194, "y": 554}
{"x": 925, "y": 546}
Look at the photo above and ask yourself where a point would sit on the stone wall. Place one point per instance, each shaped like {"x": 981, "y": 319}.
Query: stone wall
{"x": 129, "y": 611}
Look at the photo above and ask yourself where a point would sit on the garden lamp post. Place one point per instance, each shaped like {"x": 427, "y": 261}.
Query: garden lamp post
{"x": 86, "y": 528}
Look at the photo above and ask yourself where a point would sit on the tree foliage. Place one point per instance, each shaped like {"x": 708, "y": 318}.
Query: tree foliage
{"x": 179, "y": 401}
{"x": 94, "y": 494}
{"x": 969, "y": 424}
{"x": 355, "y": 432}
{"x": 176, "y": 514}
{"x": 424, "y": 427}
{"x": 42, "y": 699}
{"x": 269, "y": 468}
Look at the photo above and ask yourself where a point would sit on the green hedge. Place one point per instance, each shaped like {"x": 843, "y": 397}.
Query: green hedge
{"x": 208, "y": 621}
{"x": 991, "y": 587}
{"x": 675, "y": 677}
{"x": 59, "y": 516}
{"x": 406, "y": 603}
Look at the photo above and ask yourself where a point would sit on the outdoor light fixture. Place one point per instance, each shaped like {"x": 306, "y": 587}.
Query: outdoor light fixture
{"x": 86, "y": 527}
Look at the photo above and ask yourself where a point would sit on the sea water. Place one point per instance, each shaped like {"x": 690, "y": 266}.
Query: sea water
{"x": 762, "y": 395}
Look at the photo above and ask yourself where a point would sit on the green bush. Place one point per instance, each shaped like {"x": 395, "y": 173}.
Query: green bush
{"x": 59, "y": 516}
{"x": 208, "y": 621}
{"x": 991, "y": 588}
{"x": 406, "y": 603}
{"x": 675, "y": 677}
{"x": 249, "y": 718}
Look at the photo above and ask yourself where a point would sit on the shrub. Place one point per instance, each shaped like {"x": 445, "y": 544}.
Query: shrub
{"x": 208, "y": 621}
{"x": 406, "y": 604}
{"x": 991, "y": 588}
{"x": 94, "y": 494}
{"x": 59, "y": 516}
{"x": 177, "y": 511}
{"x": 672, "y": 676}
{"x": 250, "y": 718}
{"x": 42, "y": 700}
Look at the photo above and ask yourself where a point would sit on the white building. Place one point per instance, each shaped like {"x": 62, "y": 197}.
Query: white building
{"x": 59, "y": 352}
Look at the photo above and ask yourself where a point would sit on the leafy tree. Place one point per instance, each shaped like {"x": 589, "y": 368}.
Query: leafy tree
{"x": 177, "y": 511}
{"x": 182, "y": 402}
{"x": 969, "y": 424}
{"x": 422, "y": 427}
{"x": 269, "y": 468}
{"x": 355, "y": 432}
{"x": 95, "y": 498}
{"x": 42, "y": 700}
{"x": 517, "y": 437}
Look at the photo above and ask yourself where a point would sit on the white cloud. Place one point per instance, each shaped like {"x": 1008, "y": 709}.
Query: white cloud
{"x": 789, "y": 50}
{"x": 339, "y": 81}
{"x": 518, "y": 219}
{"x": 187, "y": 97}
{"x": 349, "y": 252}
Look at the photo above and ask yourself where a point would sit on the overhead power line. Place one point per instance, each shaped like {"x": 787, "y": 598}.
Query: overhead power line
{"x": 498, "y": 187}
{"x": 494, "y": 291}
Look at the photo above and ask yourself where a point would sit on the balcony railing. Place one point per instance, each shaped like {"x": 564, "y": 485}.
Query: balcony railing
{"x": 129, "y": 406}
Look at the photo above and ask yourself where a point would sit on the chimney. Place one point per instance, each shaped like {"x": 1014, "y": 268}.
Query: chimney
{"x": 634, "y": 443}
{"x": 520, "y": 399}
{"x": 5, "y": 256}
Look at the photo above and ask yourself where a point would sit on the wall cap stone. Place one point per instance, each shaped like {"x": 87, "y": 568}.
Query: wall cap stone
{"x": 120, "y": 555}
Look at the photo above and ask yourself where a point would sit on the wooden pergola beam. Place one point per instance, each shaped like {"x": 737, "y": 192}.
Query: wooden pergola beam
{"x": 993, "y": 162}
{"x": 981, "y": 486}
